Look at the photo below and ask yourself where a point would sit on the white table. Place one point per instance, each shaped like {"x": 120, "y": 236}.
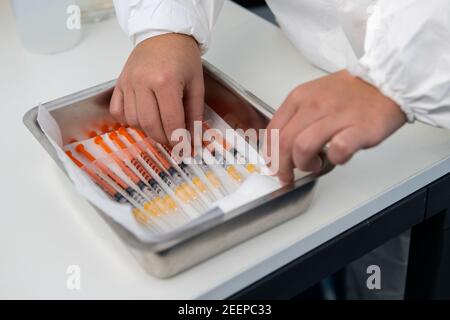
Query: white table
{"x": 46, "y": 226}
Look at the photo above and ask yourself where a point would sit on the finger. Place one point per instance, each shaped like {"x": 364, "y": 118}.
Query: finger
{"x": 170, "y": 104}
{"x": 148, "y": 115}
{"x": 296, "y": 124}
{"x": 280, "y": 118}
{"x": 346, "y": 143}
{"x": 130, "y": 108}
{"x": 287, "y": 109}
{"x": 194, "y": 102}
{"x": 311, "y": 141}
{"x": 116, "y": 105}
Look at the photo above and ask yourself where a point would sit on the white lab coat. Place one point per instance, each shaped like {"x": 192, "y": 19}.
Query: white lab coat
{"x": 402, "y": 47}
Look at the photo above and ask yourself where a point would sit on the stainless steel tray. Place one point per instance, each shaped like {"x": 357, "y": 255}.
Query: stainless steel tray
{"x": 213, "y": 233}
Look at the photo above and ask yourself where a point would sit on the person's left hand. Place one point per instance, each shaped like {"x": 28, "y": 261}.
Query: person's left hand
{"x": 338, "y": 110}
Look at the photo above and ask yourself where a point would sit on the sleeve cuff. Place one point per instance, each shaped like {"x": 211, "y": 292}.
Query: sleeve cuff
{"x": 363, "y": 72}
{"x": 141, "y": 36}
{"x": 149, "y": 22}
{"x": 138, "y": 38}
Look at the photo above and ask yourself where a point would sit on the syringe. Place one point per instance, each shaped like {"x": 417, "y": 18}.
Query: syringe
{"x": 153, "y": 158}
{"x": 240, "y": 159}
{"x": 161, "y": 196}
{"x": 163, "y": 159}
{"x": 145, "y": 212}
{"x": 99, "y": 181}
{"x": 133, "y": 192}
{"x": 229, "y": 168}
{"x": 194, "y": 180}
{"x": 210, "y": 176}
{"x": 148, "y": 201}
{"x": 122, "y": 163}
{"x": 164, "y": 204}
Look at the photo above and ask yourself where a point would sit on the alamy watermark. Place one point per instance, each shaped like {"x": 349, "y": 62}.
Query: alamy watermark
{"x": 73, "y": 281}
{"x": 73, "y": 21}
{"x": 229, "y": 146}
{"x": 373, "y": 282}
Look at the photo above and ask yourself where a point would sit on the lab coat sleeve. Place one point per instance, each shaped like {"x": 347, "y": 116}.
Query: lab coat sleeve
{"x": 143, "y": 19}
{"x": 407, "y": 56}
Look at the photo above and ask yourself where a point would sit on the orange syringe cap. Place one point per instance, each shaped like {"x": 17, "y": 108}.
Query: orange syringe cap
{"x": 92, "y": 134}
{"x": 114, "y": 137}
{"x": 150, "y": 145}
{"x": 82, "y": 150}
{"x": 123, "y": 131}
{"x": 99, "y": 141}
{"x": 75, "y": 160}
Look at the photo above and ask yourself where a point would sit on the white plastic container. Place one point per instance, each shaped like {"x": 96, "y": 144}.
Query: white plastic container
{"x": 47, "y": 26}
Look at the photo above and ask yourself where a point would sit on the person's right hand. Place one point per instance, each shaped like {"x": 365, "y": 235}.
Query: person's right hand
{"x": 161, "y": 86}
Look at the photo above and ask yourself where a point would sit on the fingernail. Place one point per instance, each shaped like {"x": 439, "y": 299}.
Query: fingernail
{"x": 266, "y": 171}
